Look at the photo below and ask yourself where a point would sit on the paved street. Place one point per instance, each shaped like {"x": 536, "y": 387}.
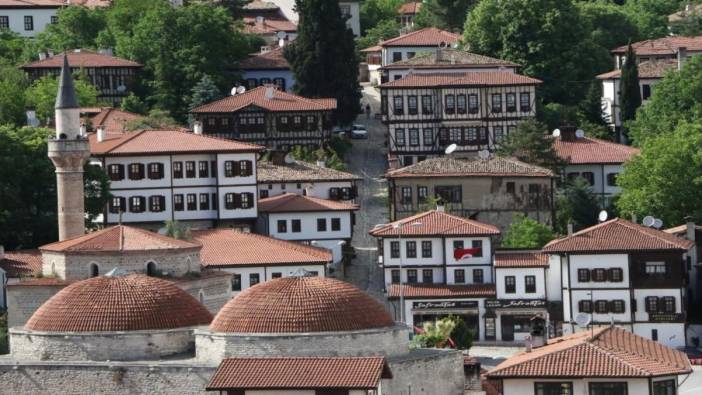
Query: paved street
{"x": 368, "y": 160}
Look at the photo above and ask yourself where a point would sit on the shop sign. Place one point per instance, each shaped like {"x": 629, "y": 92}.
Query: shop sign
{"x": 514, "y": 303}
{"x": 463, "y": 304}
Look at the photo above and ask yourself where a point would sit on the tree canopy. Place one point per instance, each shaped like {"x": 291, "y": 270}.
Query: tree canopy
{"x": 42, "y": 95}
{"x": 577, "y": 205}
{"x": 77, "y": 27}
{"x": 531, "y": 144}
{"x": 525, "y": 232}
{"x": 444, "y": 14}
{"x": 629, "y": 88}
{"x": 373, "y": 12}
{"x": 13, "y": 83}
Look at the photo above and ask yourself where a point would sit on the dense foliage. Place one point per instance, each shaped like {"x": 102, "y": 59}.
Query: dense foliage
{"x": 629, "y": 88}
{"x": 576, "y": 204}
{"x": 525, "y": 232}
{"x": 444, "y": 14}
{"x": 42, "y": 95}
{"x": 531, "y": 144}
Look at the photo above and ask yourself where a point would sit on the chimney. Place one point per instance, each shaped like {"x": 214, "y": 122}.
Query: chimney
{"x": 50, "y": 54}
{"x": 197, "y": 127}
{"x": 321, "y": 163}
{"x": 83, "y": 130}
{"x": 101, "y": 133}
{"x": 568, "y": 133}
{"x": 42, "y": 55}
{"x": 570, "y": 229}
{"x": 528, "y": 343}
{"x": 690, "y": 229}
{"x": 633, "y": 218}
{"x": 440, "y": 208}
{"x": 269, "y": 92}
{"x": 260, "y": 19}
{"x": 682, "y": 57}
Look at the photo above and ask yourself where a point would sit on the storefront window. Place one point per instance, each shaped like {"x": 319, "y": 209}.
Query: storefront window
{"x": 490, "y": 328}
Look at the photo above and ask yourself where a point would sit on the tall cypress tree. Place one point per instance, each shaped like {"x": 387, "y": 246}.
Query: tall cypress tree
{"x": 323, "y": 58}
{"x": 630, "y": 93}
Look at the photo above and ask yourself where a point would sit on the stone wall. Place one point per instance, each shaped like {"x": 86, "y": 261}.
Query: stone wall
{"x": 213, "y": 289}
{"x": 24, "y": 300}
{"x": 213, "y": 347}
{"x": 426, "y": 371}
{"x": 99, "y": 346}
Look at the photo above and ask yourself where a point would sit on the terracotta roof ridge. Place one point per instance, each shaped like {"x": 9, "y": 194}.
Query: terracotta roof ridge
{"x": 125, "y": 138}
{"x": 650, "y": 231}
{"x": 402, "y": 221}
{"x": 576, "y": 339}
{"x": 211, "y": 137}
{"x": 478, "y": 224}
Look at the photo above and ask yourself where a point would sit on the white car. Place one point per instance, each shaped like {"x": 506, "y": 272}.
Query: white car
{"x": 359, "y": 132}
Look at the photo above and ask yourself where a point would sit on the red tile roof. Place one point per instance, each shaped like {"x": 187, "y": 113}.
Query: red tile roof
{"x": 618, "y": 235}
{"x": 287, "y": 373}
{"x": 589, "y": 150}
{"x": 165, "y": 142}
{"x": 612, "y": 352}
{"x": 81, "y": 58}
{"x": 269, "y": 25}
{"x": 22, "y": 263}
{"x": 449, "y": 58}
{"x": 495, "y": 166}
{"x": 441, "y": 291}
{"x": 435, "y": 223}
{"x": 508, "y": 259}
{"x": 31, "y": 3}
{"x": 114, "y": 120}
{"x": 427, "y": 37}
{"x": 122, "y": 303}
{"x": 410, "y": 8}
{"x": 291, "y": 202}
{"x": 119, "y": 238}
{"x": 271, "y": 60}
{"x": 227, "y": 247}
{"x": 663, "y": 46}
{"x": 301, "y": 304}
{"x": 375, "y": 48}
{"x": 280, "y": 101}
{"x": 647, "y": 69}
{"x": 299, "y": 171}
{"x": 468, "y": 78}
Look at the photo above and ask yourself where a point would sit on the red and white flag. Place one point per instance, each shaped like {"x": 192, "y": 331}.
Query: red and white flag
{"x": 465, "y": 253}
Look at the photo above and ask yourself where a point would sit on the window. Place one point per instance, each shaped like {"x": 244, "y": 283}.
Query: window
{"x": 321, "y": 224}
{"x": 236, "y": 282}
{"x": 204, "y": 201}
{"x": 398, "y": 105}
{"x": 395, "y": 276}
{"x": 665, "y": 387}
{"x": 414, "y": 137}
{"x": 450, "y": 194}
{"x": 396, "y": 56}
{"x": 583, "y": 275}
{"x": 479, "y": 245}
{"x": 383, "y": 104}
{"x": 651, "y": 304}
{"x": 427, "y": 107}
{"x": 427, "y": 276}
{"x": 473, "y": 106}
{"x": 136, "y": 204}
{"x": 525, "y": 102}
{"x": 411, "y": 249}
{"x": 335, "y": 224}
{"x": 496, "y": 102}
{"x": 426, "y": 249}
{"x": 612, "y": 179}
{"x": 530, "y": 284}
{"x": 618, "y": 306}
{"x": 191, "y": 202}
{"x": 599, "y": 275}
{"x": 136, "y": 171}
{"x": 428, "y": 136}
{"x": 472, "y": 134}
{"x": 458, "y": 244}
{"x": 280, "y": 83}
{"x": 478, "y": 276}
{"x": 553, "y": 388}
{"x": 645, "y": 91}
{"x": 410, "y": 55}
{"x": 251, "y": 83}
{"x": 601, "y": 306}
{"x": 4, "y": 22}
{"x": 28, "y": 22}
{"x": 615, "y": 275}
{"x": 510, "y": 187}
{"x": 406, "y": 196}
{"x": 616, "y": 388}
{"x": 589, "y": 177}
{"x": 117, "y": 205}
{"x": 455, "y": 135}
{"x": 412, "y": 276}
{"x": 190, "y": 169}
{"x": 510, "y": 285}
{"x": 296, "y": 225}
{"x": 203, "y": 169}
{"x": 245, "y": 168}
{"x": 177, "y": 169}
{"x": 498, "y": 133}
{"x": 394, "y": 249}
{"x": 422, "y": 194}
{"x": 276, "y": 275}
{"x": 400, "y": 137}
{"x": 655, "y": 268}
{"x": 669, "y": 304}
{"x": 155, "y": 171}
{"x": 115, "y": 172}
{"x": 247, "y": 200}
{"x": 178, "y": 202}
{"x": 585, "y": 306}
{"x": 461, "y": 104}
{"x": 654, "y": 335}
{"x": 157, "y": 203}
{"x": 511, "y": 99}
{"x": 450, "y": 104}
{"x": 282, "y": 226}
{"x": 94, "y": 270}
{"x": 229, "y": 201}
{"x": 459, "y": 276}
{"x": 253, "y": 279}
{"x": 230, "y": 168}
{"x": 412, "y": 105}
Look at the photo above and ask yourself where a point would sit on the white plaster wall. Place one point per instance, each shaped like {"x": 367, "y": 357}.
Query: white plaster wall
{"x": 580, "y": 386}
{"x": 437, "y": 252}
{"x": 265, "y": 273}
{"x": 319, "y": 189}
{"x": 438, "y": 274}
{"x": 42, "y": 18}
{"x": 388, "y": 52}
{"x": 147, "y": 215}
{"x": 222, "y": 180}
{"x": 519, "y": 275}
{"x": 308, "y": 229}
{"x": 600, "y": 173}
{"x": 225, "y": 213}
{"x": 605, "y": 261}
{"x": 603, "y": 294}
{"x": 288, "y": 9}
{"x": 486, "y": 259}
{"x": 146, "y": 182}
{"x": 554, "y": 284}
{"x": 451, "y": 274}
{"x": 354, "y": 21}
{"x": 335, "y": 246}
{"x": 669, "y": 334}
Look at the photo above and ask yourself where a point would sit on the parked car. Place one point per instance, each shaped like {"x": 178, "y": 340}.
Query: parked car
{"x": 341, "y": 130}
{"x": 359, "y": 132}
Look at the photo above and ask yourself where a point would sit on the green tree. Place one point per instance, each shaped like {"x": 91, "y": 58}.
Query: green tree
{"x": 525, "y": 232}
{"x": 133, "y": 103}
{"x": 204, "y": 91}
{"x": 531, "y": 143}
{"x": 629, "y": 89}
{"x": 323, "y": 57}
{"x": 650, "y": 16}
{"x": 665, "y": 180}
{"x": 13, "y": 83}
{"x": 444, "y": 14}
{"x": 461, "y": 335}
{"x": 178, "y": 231}
{"x": 434, "y": 335}
{"x": 12, "y": 47}
{"x": 384, "y": 30}
{"x": 677, "y": 98}
{"x": 577, "y": 205}
{"x": 157, "y": 119}
{"x": 374, "y": 12}
{"x": 608, "y": 25}
{"x": 77, "y": 27}
{"x": 42, "y": 95}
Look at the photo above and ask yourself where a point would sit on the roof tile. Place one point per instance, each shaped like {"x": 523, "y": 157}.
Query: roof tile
{"x": 280, "y": 101}
{"x": 82, "y": 58}
{"x": 435, "y": 223}
{"x": 662, "y": 46}
{"x": 589, "y": 150}
{"x": 299, "y": 171}
{"x": 291, "y": 202}
{"x": 429, "y": 36}
{"x": 509, "y": 259}
{"x": 495, "y": 166}
{"x": 22, "y": 263}
{"x": 441, "y": 291}
{"x": 119, "y": 238}
{"x": 271, "y": 60}
{"x": 647, "y": 69}
{"x": 449, "y": 58}
{"x": 467, "y": 78}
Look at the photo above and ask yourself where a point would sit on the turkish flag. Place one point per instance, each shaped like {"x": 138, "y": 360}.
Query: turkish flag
{"x": 462, "y": 253}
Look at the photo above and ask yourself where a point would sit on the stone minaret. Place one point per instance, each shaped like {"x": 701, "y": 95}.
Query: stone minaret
{"x": 69, "y": 150}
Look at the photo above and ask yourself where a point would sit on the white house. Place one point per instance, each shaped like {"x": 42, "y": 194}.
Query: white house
{"x": 627, "y": 274}
{"x": 407, "y": 46}
{"x": 319, "y": 222}
{"x": 420, "y": 256}
{"x": 599, "y": 162}
{"x": 253, "y": 258}
{"x": 161, "y": 175}
{"x": 29, "y": 17}
{"x": 349, "y": 8}
{"x": 267, "y": 67}
{"x": 606, "y": 361}
{"x": 304, "y": 178}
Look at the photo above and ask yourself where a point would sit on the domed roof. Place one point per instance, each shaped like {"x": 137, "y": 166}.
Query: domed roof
{"x": 301, "y": 304}
{"x": 121, "y": 303}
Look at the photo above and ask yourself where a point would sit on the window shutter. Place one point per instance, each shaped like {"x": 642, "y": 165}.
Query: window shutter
{"x": 251, "y": 199}
{"x": 142, "y": 206}
{"x": 610, "y": 306}
{"x": 160, "y": 170}
{"x": 237, "y": 200}
{"x": 354, "y": 192}
{"x": 120, "y": 171}
{"x": 648, "y": 304}
{"x": 162, "y": 199}
{"x": 141, "y": 171}
{"x": 633, "y": 305}
{"x": 334, "y": 193}
{"x": 249, "y": 168}
{"x": 236, "y": 168}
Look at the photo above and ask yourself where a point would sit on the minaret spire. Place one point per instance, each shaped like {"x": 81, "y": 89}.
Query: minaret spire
{"x": 66, "y": 95}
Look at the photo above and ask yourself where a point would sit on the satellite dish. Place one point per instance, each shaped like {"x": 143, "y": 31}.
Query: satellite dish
{"x": 281, "y": 35}
{"x": 582, "y": 319}
{"x": 121, "y": 88}
{"x": 450, "y": 149}
{"x": 233, "y": 91}
{"x": 240, "y": 89}
{"x": 556, "y": 132}
{"x": 602, "y": 216}
{"x": 648, "y": 221}
{"x": 289, "y": 159}
{"x": 579, "y": 133}
{"x": 484, "y": 154}
{"x": 657, "y": 223}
